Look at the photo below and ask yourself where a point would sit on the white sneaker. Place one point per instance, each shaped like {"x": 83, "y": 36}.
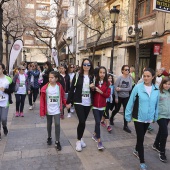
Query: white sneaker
{"x": 69, "y": 115}
{"x": 72, "y": 109}
{"x": 30, "y": 108}
{"x": 78, "y": 146}
{"x": 83, "y": 145}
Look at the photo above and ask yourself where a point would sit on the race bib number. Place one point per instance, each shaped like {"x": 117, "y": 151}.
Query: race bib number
{"x": 53, "y": 99}
{"x": 2, "y": 98}
{"x": 86, "y": 94}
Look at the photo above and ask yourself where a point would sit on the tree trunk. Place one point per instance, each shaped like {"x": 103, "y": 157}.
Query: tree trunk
{"x": 1, "y": 40}
{"x": 137, "y": 42}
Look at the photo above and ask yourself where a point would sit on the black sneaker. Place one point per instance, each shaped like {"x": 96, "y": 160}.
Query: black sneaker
{"x": 58, "y": 146}
{"x": 154, "y": 147}
{"x": 5, "y": 130}
{"x": 49, "y": 141}
{"x": 162, "y": 157}
{"x": 126, "y": 129}
{"x": 111, "y": 121}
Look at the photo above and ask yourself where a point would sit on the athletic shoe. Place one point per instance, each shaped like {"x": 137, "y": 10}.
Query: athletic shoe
{"x": 83, "y": 145}
{"x": 103, "y": 124}
{"x": 72, "y": 109}
{"x": 111, "y": 122}
{"x": 57, "y": 145}
{"x": 136, "y": 153}
{"x": 94, "y": 138}
{"x": 78, "y": 146}
{"x": 143, "y": 166}
{"x": 162, "y": 157}
{"x": 126, "y": 129}
{"x": 109, "y": 129}
{"x": 154, "y": 147}
{"x": 69, "y": 115}
{"x": 100, "y": 146}
{"x": 49, "y": 141}
{"x": 17, "y": 114}
{"x": 22, "y": 114}
{"x": 62, "y": 116}
{"x": 31, "y": 107}
{"x": 5, "y": 130}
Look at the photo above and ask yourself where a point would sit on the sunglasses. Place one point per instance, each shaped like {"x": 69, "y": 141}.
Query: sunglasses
{"x": 126, "y": 69}
{"x": 88, "y": 65}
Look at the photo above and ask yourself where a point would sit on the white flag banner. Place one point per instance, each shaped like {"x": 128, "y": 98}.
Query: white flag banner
{"x": 15, "y": 50}
{"x": 54, "y": 55}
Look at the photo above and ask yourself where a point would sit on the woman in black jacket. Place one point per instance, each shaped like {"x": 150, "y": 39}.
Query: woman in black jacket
{"x": 81, "y": 95}
{"x": 66, "y": 85}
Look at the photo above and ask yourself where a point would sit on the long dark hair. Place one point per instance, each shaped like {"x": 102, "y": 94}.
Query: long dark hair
{"x": 153, "y": 74}
{"x": 49, "y": 65}
{"x": 64, "y": 66}
{"x": 164, "y": 80}
{"x": 91, "y": 71}
{"x": 3, "y": 68}
{"x": 109, "y": 75}
{"x": 105, "y": 77}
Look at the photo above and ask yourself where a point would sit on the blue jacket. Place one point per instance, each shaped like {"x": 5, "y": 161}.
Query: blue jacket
{"x": 147, "y": 107}
{"x": 36, "y": 74}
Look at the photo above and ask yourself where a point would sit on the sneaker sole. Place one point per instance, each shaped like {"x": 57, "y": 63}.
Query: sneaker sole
{"x": 135, "y": 155}
{"x": 94, "y": 139}
{"x": 100, "y": 148}
{"x": 162, "y": 160}
{"x": 155, "y": 149}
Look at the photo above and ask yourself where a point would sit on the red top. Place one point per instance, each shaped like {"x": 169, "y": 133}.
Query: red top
{"x": 43, "y": 102}
{"x": 100, "y": 99}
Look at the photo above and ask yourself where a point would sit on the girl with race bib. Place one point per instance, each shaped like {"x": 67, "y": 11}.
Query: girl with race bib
{"x": 6, "y": 88}
{"x": 102, "y": 92}
{"x": 51, "y": 102}
{"x": 22, "y": 87}
{"x": 81, "y": 95}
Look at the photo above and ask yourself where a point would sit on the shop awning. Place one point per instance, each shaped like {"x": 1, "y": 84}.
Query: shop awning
{"x": 155, "y": 40}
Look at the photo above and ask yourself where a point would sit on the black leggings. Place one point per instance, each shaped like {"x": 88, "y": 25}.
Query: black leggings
{"x": 123, "y": 101}
{"x": 33, "y": 93}
{"x": 20, "y": 100}
{"x": 141, "y": 129}
{"x": 82, "y": 114}
{"x": 162, "y": 135}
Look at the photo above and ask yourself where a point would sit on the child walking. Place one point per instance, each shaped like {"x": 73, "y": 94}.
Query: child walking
{"x": 109, "y": 106}
{"x": 163, "y": 119}
{"x": 102, "y": 92}
{"x": 51, "y": 102}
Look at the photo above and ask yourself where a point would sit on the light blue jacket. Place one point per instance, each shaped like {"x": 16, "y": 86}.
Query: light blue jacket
{"x": 147, "y": 106}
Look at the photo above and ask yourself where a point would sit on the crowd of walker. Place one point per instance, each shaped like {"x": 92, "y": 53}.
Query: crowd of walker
{"x": 84, "y": 88}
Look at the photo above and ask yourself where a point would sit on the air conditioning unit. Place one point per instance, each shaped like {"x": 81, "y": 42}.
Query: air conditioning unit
{"x": 131, "y": 31}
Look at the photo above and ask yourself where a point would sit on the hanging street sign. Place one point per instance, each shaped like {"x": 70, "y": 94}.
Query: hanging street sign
{"x": 161, "y": 5}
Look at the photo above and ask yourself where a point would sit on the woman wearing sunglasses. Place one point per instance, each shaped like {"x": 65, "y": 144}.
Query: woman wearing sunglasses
{"x": 21, "y": 89}
{"x": 123, "y": 86}
{"x": 81, "y": 95}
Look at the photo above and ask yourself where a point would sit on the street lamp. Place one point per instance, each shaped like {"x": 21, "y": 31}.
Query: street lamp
{"x": 68, "y": 42}
{"x": 114, "y": 13}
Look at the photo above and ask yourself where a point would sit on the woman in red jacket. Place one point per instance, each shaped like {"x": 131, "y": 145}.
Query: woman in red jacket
{"x": 51, "y": 101}
{"x": 102, "y": 92}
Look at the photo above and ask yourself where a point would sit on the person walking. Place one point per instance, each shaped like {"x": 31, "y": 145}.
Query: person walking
{"x": 163, "y": 119}
{"x": 81, "y": 95}
{"x": 109, "y": 106}
{"x": 123, "y": 86}
{"x": 142, "y": 108}
{"x": 66, "y": 87}
{"x": 22, "y": 87}
{"x": 33, "y": 75}
{"x": 52, "y": 99}
{"x": 102, "y": 92}
{"x": 6, "y": 88}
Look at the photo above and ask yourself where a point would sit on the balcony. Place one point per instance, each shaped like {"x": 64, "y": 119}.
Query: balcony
{"x": 105, "y": 38}
{"x": 82, "y": 45}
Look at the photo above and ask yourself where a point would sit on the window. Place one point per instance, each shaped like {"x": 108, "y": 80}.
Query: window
{"x": 65, "y": 13}
{"x": 29, "y": 6}
{"x": 145, "y": 7}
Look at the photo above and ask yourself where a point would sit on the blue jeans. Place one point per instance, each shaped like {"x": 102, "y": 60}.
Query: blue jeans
{"x": 97, "y": 116}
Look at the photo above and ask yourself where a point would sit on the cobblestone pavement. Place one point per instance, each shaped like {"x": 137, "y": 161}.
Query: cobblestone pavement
{"x": 25, "y": 146}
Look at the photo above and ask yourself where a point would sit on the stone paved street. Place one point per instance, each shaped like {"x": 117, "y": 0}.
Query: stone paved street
{"x": 25, "y": 146}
